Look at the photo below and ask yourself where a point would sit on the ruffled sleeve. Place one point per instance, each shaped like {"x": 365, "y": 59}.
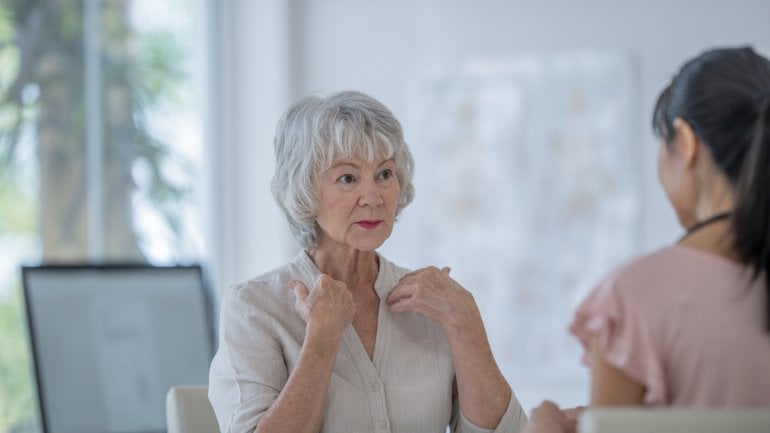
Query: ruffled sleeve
{"x": 624, "y": 319}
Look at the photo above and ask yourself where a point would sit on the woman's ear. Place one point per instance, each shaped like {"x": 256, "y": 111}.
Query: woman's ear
{"x": 685, "y": 141}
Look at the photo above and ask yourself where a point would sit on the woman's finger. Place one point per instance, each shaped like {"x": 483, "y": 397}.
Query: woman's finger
{"x": 300, "y": 290}
{"x": 413, "y": 273}
{"x": 406, "y": 306}
{"x": 398, "y": 306}
{"x": 414, "y": 305}
{"x": 573, "y": 413}
{"x": 401, "y": 291}
{"x": 417, "y": 272}
{"x": 548, "y": 406}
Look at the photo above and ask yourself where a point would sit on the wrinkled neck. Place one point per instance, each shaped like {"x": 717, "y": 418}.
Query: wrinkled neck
{"x": 357, "y": 269}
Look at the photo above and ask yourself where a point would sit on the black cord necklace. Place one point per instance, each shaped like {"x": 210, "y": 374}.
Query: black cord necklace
{"x": 700, "y": 224}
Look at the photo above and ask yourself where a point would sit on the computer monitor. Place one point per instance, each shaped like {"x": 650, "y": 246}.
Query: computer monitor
{"x": 109, "y": 341}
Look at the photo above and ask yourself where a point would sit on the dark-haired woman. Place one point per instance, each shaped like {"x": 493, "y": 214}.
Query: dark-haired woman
{"x": 689, "y": 325}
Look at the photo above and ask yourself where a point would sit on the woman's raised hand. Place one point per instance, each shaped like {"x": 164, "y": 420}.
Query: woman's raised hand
{"x": 329, "y": 306}
{"x": 483, "y": 393}
{"x": 432, "y": 293}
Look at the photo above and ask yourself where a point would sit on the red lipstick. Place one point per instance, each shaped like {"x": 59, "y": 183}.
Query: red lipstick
{"x": 368, "y": 224}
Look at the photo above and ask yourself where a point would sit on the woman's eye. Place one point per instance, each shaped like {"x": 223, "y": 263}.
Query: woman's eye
{"x": 386, "y": 174}
{"x": 346, "y": 178}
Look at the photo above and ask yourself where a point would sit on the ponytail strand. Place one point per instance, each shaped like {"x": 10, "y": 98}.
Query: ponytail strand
{"x": 751, "y": 216}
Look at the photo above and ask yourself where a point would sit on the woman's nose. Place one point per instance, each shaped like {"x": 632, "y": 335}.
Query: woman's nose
{"x": 370, "y": 195}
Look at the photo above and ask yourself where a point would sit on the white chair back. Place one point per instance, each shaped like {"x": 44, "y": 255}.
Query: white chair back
{"x": 188, "y": 410}
{"x": 638, "y": 420}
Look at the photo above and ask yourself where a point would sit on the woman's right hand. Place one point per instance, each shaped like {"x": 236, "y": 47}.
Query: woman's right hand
{"x": 328, "y": 307}
{"x": 300, "y": 406}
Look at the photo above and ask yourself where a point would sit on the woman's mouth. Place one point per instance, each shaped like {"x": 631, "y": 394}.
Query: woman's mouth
{"x": 369, "y": 224}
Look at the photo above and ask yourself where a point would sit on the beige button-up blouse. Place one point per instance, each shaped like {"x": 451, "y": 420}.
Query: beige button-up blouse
{"x": 408, "y": 386}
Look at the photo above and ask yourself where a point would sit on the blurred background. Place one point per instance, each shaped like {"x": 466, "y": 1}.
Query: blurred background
{"x": 141, "y": 131}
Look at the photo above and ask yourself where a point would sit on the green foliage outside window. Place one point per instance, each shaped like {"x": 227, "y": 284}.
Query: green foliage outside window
{"x": 43, "y": 119}
{"x": 17, "y": 401}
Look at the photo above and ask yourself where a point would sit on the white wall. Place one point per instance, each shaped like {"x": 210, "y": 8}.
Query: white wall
{"x": 250, "y": 88}
{"x": 377, "y": 46}
{"x": 272, "y": 51}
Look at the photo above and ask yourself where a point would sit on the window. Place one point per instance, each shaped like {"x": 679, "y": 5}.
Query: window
{"x": 100, "y": 149}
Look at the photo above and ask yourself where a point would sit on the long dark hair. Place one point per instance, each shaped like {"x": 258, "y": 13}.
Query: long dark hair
{"x": 724, "y": 94}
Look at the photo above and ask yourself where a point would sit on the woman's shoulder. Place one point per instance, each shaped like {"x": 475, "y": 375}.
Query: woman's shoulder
{"x": 271, "y": 287}
{"x": 267, "y": 281}
{"x": 637, "y": 277}
{"x": 672, "y": 271}
{"x": 672, "y": 262}
{"x": 625, "y": 294}
{"x": 643, "y": 265}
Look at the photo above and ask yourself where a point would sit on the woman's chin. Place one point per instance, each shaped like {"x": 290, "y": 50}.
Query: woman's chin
{"x": 685, "y": 217}
{"x": 370, "y": 240}
{"x": 687, "y": 221}
{"x": 367, "y": 244}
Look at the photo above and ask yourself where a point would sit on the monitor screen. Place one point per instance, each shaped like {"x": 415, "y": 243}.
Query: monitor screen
{"x": 109, "y": 341}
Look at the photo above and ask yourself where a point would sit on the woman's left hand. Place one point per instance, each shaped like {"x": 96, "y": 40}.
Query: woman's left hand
{"x": 432, "y": 293}
{"x": 483, "y": 393}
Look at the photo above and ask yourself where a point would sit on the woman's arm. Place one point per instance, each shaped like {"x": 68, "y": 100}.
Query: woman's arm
{"x": 484, "y": 394}
{"x": 610, "y": 386}
{"x": 327, "y": 310}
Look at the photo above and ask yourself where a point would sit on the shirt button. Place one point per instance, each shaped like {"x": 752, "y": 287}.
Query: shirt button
{"x": 375, "y": 386}
{"x": 383, "y": 423}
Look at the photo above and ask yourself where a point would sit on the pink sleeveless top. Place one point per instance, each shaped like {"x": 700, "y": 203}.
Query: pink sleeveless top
{"x": 688, "y": 325}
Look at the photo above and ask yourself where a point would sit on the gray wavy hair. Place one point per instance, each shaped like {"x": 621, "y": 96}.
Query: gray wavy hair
{"x": 318, "y": 129}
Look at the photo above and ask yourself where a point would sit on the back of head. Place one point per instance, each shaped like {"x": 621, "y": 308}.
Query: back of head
{"x": 724, "y": 94}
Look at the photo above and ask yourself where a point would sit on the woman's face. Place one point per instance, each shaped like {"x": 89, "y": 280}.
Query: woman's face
{"x": 357, "y": 203}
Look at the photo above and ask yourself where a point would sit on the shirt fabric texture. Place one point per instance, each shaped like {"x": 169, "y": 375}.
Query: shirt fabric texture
{"x": 407, "y": 387}
{"x": 688, "y": 325}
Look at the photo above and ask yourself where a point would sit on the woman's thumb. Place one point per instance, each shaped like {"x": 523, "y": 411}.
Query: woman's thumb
{"x": 299, "y": 288}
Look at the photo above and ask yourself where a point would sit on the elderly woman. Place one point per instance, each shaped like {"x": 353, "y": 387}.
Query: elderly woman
{"x": 340, "y": 339}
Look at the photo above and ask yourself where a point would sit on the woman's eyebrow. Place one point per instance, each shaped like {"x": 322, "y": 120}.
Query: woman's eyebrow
{"x": 356, "y": 166}
{"x": 344, "y": 163}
